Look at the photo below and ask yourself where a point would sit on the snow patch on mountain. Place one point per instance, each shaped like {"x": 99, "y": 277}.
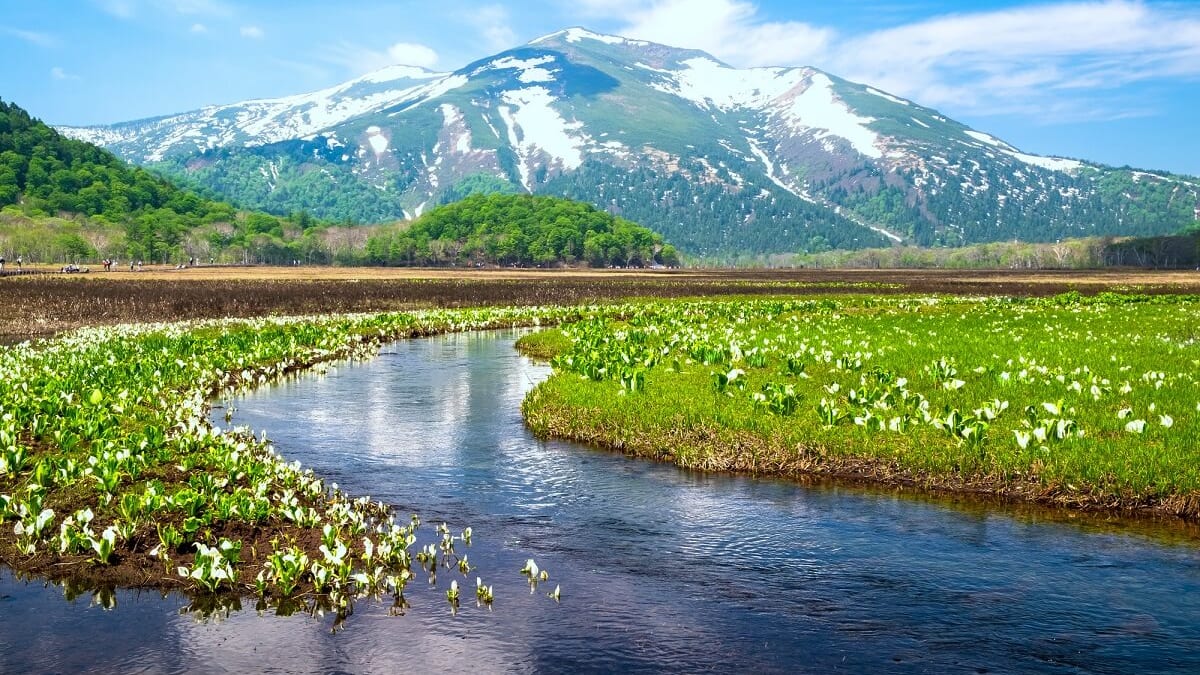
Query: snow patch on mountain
{"x": 455, "y": 124}
{"x": 376, "y": 139}
{"x": 1051, "y": 163}
{"x": 579, "y": 34}
{"x": 770, "y": 170}
{"x": 399, "y": 72}
{"x": 533, "y": 125}
{"x": 777, "y": 91}
{"x": 887, "y": 96}
{"x": 819, "y": 107}
{"x": 989, "y": 139}
{"x": 513, "y": 63}
{"x": 418, "y": 95}
{"x": 706, "y": 82}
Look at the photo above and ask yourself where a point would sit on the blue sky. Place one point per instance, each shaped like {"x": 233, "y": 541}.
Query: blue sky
{"x": 1115, "y": 81}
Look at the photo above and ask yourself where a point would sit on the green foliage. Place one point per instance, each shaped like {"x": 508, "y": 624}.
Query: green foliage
{"x": 476, "y": 184}
{"x": 527, "y": 230}
{"x": 708, "y": 219}
{"x": 111, "y": 209}
{"x": 285, "y": 177}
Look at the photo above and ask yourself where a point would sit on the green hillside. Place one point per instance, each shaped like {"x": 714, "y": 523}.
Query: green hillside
{"x": 62, "y": 199}
{"x": 518, "y": 229}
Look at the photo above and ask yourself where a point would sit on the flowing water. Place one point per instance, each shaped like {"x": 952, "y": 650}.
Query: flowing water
{"x": 660, "y": 569}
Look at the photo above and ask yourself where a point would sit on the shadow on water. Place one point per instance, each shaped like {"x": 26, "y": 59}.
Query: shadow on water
{"x": 661, "y": 569}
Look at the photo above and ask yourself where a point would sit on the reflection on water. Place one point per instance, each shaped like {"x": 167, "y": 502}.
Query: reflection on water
{"x": 660, "y": 568}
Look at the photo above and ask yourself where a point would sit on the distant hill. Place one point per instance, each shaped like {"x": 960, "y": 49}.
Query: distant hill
{"x": 67, "y": 200}
{"x": 723, "y": 162}
{"x": 514, "y": 229}
{"x": 63, "y": 199}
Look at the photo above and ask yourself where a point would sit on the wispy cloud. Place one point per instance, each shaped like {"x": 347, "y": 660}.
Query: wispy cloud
{"x": 358, "y": 59}
{"x": 732, "y": 30}
{"x": 57, "y": 73}
{"x": 1061, "y": 59}
{"x": 122, "y": 9}
{"x": 1036, "y": 54}
{"x": 494, "y": 25}
{"x": 128, "y": 9}
{"x": 201, "y": 7}
{"x": 31, "y": 36}
{"x": 252, "y": 32}
{"x": 199, "y": 28}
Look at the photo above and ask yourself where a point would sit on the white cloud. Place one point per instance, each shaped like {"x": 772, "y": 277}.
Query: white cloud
{"x": 411, "y": 54}
{"x": 252, "y": 32}
{"x": 494, "y": 25}
{"x": 199, "y": 28}
{"x": 57, "y": 73}
{"x": 731, "y": 30}
{"x": 31, "y": 36}
{"x": 359, "y": 60}
{"x": 1026, "y": 56}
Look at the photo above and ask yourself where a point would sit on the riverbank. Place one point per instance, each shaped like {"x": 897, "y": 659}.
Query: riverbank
{"x": 1078, "y": 402}
{"x": 112, "y": 474}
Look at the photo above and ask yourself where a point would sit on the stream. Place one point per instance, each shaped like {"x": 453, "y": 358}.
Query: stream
{"x": 660, "y": 569}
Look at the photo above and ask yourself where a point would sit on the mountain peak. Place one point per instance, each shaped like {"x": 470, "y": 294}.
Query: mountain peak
{"x": 578, "y": 34}
{"x": 717, "y": 158}
{"x": 398, "y": 72}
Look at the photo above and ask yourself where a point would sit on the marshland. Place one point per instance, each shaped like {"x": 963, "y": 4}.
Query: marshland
{"x": 848, "y": 472}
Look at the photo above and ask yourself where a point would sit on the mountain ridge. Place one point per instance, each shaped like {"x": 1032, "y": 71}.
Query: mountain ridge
{"x": 771, "y": 159}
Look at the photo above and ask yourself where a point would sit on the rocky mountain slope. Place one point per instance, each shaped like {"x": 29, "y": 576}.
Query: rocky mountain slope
{"x": 722, "y": 161}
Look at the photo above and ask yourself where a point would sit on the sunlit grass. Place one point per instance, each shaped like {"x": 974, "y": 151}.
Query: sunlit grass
{"x": 1068, "y": 399}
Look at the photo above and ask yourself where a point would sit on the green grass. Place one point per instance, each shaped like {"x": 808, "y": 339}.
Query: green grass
{"x": 1038, "y": 399}
{"x": 544, "y": 345}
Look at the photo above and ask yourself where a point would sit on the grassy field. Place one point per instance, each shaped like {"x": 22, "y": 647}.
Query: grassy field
{"x": 1070, "y": 400}
{"x": 37, "y": 306}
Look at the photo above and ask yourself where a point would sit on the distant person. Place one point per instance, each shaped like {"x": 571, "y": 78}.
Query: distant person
{"x": 1, "y": 263}
{"x": 130, "y": 265}
{"x": 20, "y": 264}
{"x": 139, "y": 266}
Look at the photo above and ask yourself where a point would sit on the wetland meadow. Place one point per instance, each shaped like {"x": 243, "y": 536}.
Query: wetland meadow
{"x": 525, "y": 472}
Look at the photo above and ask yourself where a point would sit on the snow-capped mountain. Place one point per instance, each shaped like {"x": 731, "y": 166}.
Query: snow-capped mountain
{"x": 260, "y": 121}
{"x": 720, "y": 160}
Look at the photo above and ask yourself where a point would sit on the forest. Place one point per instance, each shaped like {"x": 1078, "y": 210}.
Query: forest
{"x": 518, "y": 229}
